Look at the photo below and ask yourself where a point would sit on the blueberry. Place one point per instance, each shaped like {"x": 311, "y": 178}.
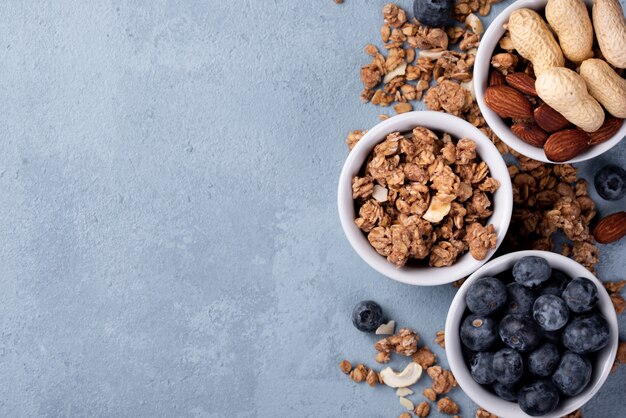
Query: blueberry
{"x": 485, "y": 296}
{"x": 543, "y": 360}
{"x": 531, "y": 271}
{"x": 432, "y": 12}
{"x": 520, "y": 332}
{"x": 572, "y": 375}
{"x": 538, "y": 398}
{"x": 556, "y": 284}
{"x": 367, "y": 316}
{"x": 550, "y": 312}
{"x": 506, "y": 391}
{"x": 586, "y": 334}
{"x": 508, "y": 366}
{"x": 520, "y": 299}
{"x": 581, "y": 295}
{"x": 610, "y": 182}
{"x": 481, "y": 368}
{"x": 478, "y": 333}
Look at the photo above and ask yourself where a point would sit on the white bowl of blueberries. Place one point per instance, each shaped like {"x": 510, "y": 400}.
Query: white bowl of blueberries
{"x": 531, "y": 333}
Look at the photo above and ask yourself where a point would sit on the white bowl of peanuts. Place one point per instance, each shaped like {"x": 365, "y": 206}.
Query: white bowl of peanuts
{"x": 576, "y": 107}
{"x": 439, "y": 212}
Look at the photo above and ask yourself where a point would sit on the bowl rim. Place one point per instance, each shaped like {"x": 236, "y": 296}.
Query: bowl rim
{"x": 481, "y": 396}
{"x": 487, "y": 45}
{"x": 437, "y": 121}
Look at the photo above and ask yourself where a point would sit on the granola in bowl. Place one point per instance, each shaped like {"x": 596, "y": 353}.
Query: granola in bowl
{"x": 424, "y": 198}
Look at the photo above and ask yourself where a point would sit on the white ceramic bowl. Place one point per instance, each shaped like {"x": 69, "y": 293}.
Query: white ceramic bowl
{"x": 488, "y": 400}
{"x": 482, "y": 66}
{"x": 502, "y": 203}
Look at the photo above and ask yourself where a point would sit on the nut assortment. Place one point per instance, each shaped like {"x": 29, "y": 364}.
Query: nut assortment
{"x": 422, "y": 197}
{"x": 547, "y": 102}
{"x": 366, "y": 316}
{"x": 394, "y": 212}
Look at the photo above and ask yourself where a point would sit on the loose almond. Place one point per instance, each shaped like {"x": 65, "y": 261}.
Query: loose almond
{"x": 609, "y": 128}
{"x": 566, "y": 144}
{"x": 522, "y": 82}
{"x": 508, "y": 102}
{"x": 530, "y": 133}
{"x": 549, "y": 119}
{"x": 610, "y": 228}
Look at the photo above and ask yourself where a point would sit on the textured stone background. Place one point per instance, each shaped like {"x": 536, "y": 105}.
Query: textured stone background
{"x": 170, "y": 240}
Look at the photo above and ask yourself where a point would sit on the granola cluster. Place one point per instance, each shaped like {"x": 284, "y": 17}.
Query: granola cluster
{"x": 424, "y": 197}
{"x": 417, "y": 55}
{"x": 548, "y": 199}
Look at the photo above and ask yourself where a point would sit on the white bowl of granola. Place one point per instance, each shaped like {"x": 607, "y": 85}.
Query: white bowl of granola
{"x": 458, "y": 356}
{"x": 488, "y": 48}
{"x": 429, "y": 206}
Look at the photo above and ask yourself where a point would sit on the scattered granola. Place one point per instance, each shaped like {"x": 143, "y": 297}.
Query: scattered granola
{"x": 404, "y": 342}
{"x": 481, "y": 413}
{"x": 422, "y": 410}
{"x": 443, "y": 380}
{"x": 371, "y": 378}
{"x": 447, "y": 406}
{"x": 405, "y": 415}
{"x": 429, "y": 394}
{"x": 620, "y": 357}
{"x": 437, "y": 199}
{"x": 424, "y": 357}
{"x": 345, "y": 366}
{"x": 618, "y": 301}
{"x": 440, "y": 338}
{"x": 359, "y": 373}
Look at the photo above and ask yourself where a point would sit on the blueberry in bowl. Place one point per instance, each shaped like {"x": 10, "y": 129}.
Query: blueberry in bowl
{"x": 546, "y": 358}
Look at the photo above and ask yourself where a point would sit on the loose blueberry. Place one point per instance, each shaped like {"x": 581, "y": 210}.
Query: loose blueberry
{"x": 544, "y": 360}
{"x": 520, "y": 299}
{"x": 479, "y": 333}
{"x": 531, "y": 271}
{"x": 432, "y": 12}
{"x": 586, "y": 334}
{"x": 481, "y": 368}
{"x": 538, "y": 398}
{"x": 556, "y": 284}
{"x": 520, "y": 332}
{"x": 581, "y": 295}
{"x": 610, "y": 182}
{"x": 485, "y": 296}
{"x": 367, "y": 316}
{"x": 550, "y": 312}
{"x": 506, "y": 391}
{"x": 572, "y": 375}
{"x": 508, "y": 366}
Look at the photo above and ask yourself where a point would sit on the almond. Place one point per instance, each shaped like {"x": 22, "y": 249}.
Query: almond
{"x": 530, "y": 133}
{"x": 549, "y": 119}
{"x": 566, "y": 144}
{"x": 610, "y": 126}
{"x": 496, "y": 78}
{"x": 610, "y": 228}
{"x": 508, "y": 102}
{"x": 522, "y": 82}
